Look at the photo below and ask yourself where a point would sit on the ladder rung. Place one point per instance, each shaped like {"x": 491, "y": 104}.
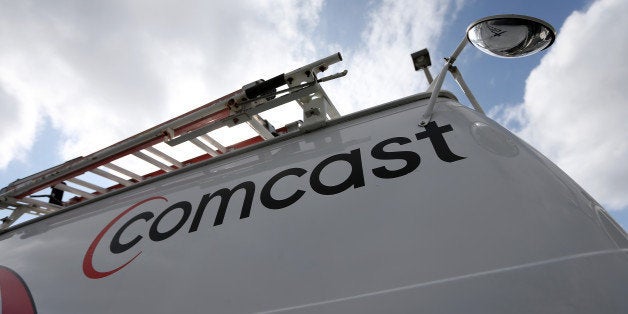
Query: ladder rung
{"x": 204, "y": 147}
{"x": 73, "y": 190}
{"x": 153, "y": 161}
{"x": 214, "y": 142}
{"x": 164, "y": 156}
{"x": 123, "y": 171}
{"x": 111, "y": 177}
{"x": 87, "y": 185}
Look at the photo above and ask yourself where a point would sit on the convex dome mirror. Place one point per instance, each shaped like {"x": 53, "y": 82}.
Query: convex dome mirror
{"x": 510, "y": 35}
{"x": 506, "y": 36}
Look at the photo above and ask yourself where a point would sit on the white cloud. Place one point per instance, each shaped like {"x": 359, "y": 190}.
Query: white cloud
{"x": 16, "y": 139}
{"x": 381, "y": 69}
{"x": 576, "y": 102}
{"x": 100, "y": 71}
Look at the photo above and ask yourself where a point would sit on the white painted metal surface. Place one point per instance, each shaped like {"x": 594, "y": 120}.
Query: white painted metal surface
{"x": 369, "y": 214}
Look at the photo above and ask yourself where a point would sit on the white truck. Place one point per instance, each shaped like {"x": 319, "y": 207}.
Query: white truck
{"x": 420, "y": 205}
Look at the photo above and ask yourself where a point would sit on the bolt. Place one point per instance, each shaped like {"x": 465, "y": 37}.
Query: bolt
{"x": 312, "y": 112}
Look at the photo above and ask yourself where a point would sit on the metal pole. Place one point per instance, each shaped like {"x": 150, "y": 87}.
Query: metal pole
{"x": 437, "y": 84}
{"x": 428, "y": 75}
{"x": 467, "y": 91}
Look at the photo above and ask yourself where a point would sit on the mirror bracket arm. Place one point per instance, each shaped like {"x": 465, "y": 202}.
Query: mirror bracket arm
{"x": 437, "y": 84}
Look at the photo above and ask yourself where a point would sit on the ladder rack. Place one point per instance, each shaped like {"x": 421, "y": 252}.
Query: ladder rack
{"x": 195, "y": 127}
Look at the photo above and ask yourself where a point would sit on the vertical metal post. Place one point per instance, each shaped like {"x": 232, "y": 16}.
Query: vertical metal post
{"x": 428, "y": 75}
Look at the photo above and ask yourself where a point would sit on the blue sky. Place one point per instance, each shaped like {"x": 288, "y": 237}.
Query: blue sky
{"x": 76, "y": 76}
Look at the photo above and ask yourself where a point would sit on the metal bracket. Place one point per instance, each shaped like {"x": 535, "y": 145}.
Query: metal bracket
{"x": 314, "y": 113}
{"x": 317, "y": 107}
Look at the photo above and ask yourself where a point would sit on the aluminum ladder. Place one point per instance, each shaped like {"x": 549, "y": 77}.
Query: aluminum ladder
{"x": 80, "y": 179}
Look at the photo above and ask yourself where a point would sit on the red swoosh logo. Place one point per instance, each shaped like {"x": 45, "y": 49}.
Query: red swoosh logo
{"x": 88, "y": 266}
{"x": 16, "y": 298}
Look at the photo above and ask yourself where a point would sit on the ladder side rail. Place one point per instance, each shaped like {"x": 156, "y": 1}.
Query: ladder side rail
{"x": 316, "y": 66}
{"x": 208, "y": 115}
{"x": 39, "y": 207}
{"x": 133, "y": 144}
{"x": 305, "y": 74}
{"x": 34, "y": 176}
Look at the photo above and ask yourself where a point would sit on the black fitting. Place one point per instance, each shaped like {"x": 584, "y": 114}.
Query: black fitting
{"x": 265, "y": 87}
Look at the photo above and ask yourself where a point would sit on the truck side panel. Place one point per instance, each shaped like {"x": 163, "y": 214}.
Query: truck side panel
{"x": 374, "y": 214}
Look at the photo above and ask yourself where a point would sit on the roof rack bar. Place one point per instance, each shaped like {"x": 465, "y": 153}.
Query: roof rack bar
{"x": 153, "y": 161}
{"x": 164, "y": 156}
{"x": 124, "y": 171}
{"x": 204, "y": 147}
{"x": 111, "y": 177}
